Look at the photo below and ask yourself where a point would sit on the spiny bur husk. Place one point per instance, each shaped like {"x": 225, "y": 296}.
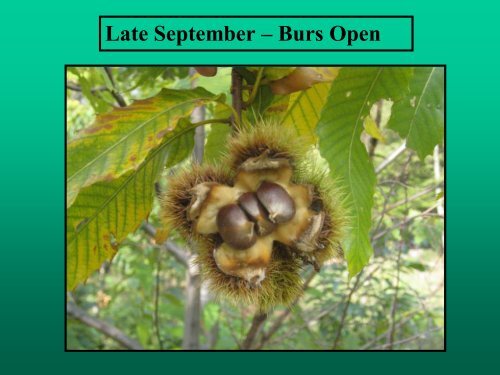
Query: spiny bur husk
{"x": 269, "y": 155}
{"x": 281, "y": 142}
{"x": 265, "y": 137}
{"x": 281, "y": 286}
{"x": 330, "y": 199}
{"x": 177, "y": 199}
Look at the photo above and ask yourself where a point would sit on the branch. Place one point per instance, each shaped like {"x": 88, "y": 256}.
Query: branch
{"x": 281, "y": 319}
{"x": 344, "y": 312}
{"x": 74, "y": 87}
{"x": 236, "y": 89}
{"x": 392, "y": 321}
{"x": 199, "y": 135}
{"x": 412, "y": 198}
{"x": 192, "y": 309}
{"x": 179, "y": 254}
{"x": 255, "y": 88}
{"x": 257, "y": 322}
{"x": 401, "y": 322}
{"x": 156, "y": 314}
{"x": 403, "y": 223}
{"x": 107, "y": 329}
{"x": 409, "y": 339}
{"x": 325, "y": 312}
{"x": 390, "y": 158}
{"x": 119, "y": 99}
{"x": 437, "y": 177}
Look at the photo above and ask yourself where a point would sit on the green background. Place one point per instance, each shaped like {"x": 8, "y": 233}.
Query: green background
{"x": 39, "y": 38}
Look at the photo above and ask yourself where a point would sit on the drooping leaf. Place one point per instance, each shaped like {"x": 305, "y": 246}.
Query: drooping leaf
{"x": 120, "y": 140}
{"x": 339, "y": 130}
{"x": 372, "y": 129}
{"x": 419, "y": 116}
{"x": 305, "y": 107}
{"x": 302, "y": 78}
{"x": 104, "y": 213}
{"x": 304, "y": 111}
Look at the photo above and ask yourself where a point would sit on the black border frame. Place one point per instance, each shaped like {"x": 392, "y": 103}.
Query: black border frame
{"x": 444, "y": 350}
{"x": 411, "y": 17}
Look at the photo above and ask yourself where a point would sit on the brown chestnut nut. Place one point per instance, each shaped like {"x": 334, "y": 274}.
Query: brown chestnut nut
{"x": 257, "y": 213}
{"x": 206, "y": 71}
{"x": 235, "y": 228}
{"x": 276, "y": 201}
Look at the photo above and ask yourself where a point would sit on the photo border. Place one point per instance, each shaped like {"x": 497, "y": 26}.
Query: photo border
{"x": 444, "y": 350}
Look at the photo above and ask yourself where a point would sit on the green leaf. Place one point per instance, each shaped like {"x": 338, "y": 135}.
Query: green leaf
{"x": 220, "y": 84}
{"x": 339, "y": 130}
{"x": 216, "y": 141}
{"x": 217, "y": 137}
{"x": 104, "y": 213}
{"x": 419, "y": 117}
{"x": 87, "y": 85}
{"x": 120, "y": 140}
{"x": 146, "y": 75}
{"x": 183, "y": 146}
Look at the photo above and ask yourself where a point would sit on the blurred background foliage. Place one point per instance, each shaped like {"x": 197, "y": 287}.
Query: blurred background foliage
{"x": 139, "y": 299}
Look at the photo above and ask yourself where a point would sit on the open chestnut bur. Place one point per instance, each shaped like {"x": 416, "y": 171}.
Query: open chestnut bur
{"x": 257, "y": 217}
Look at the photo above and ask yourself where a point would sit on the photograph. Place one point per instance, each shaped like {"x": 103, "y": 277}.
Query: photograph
{"x": 254, "y": 208}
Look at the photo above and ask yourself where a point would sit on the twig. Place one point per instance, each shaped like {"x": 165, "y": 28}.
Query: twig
{"x": 118, "y": 97}
{"x": 392, "y": 320}
{"x": 409, "y": 339}
{"x": 255, "y": 88}
{"x": 384, "y": 208}
{"x": 74, "y": 87}
{"x": 390, "y": 158}
{"x": 179, "y": 254}
{"x": 344, "y": 312}
{"x": 281, "y": 319}
{"x": 323, "y": 313}
{"x": 326, "y": 311}
{"x": 106, "y": 328}
{"x": 411, "y": 198}
{"x": 403, "y": 222}
{"x": 157, "y": 301}
{"x": 437, "y": 177}
{"x": 403, "y": 321}
{"x": 257, "y": 322}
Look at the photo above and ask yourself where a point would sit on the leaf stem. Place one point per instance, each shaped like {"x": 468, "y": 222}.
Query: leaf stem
{"x": 236, "y": 87}
{"x": 255, "y": 88}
